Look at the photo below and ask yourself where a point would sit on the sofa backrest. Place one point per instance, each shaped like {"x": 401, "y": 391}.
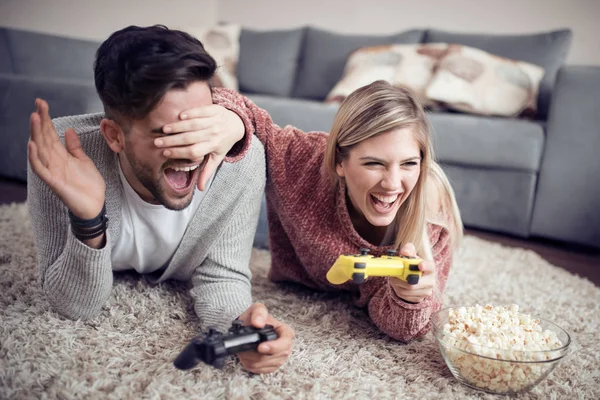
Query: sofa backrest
{"x": 548, "y": 50}
{"x": 57, "y": 69}
{"x": 324, "y": 56}
{"x": 43, "y": 55}
{"x": 268, "y": 61}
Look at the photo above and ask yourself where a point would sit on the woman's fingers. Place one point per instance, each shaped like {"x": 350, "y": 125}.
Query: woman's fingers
{"x": 408, "y": 250}
{"x": 427, "y": 267}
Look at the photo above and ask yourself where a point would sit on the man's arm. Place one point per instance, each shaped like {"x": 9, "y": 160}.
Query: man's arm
{"x": 221, "y": 284}
{"x": 76, "y": 278}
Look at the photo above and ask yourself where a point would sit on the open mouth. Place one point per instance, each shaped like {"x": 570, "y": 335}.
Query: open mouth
{"x": 183, "y": 178}
{"x": 384, "y": 204}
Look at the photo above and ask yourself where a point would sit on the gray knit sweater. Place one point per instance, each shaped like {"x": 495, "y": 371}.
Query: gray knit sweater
{"x": 214, "y": 252}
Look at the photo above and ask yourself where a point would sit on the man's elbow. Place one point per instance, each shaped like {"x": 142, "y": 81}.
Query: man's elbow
{"x": 74, "y": 309}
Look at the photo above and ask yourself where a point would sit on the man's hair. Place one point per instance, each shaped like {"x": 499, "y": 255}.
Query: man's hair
{"x": 136, "y": 66}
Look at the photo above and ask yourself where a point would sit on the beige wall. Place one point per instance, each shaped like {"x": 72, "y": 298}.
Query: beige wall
{"x": 386, "y": 16}
{"x": 93, "y": 19}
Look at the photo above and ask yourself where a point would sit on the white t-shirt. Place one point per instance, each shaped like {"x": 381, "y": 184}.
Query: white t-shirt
{"x": 150, "y": 233}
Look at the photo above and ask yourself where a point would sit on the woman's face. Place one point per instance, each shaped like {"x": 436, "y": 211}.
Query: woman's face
{"x": 380, "y": 173}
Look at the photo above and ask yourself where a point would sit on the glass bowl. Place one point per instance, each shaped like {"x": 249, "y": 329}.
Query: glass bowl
{"x": 495, "y": 370}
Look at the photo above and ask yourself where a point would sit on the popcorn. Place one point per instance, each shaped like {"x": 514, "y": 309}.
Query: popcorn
{"x": 502, "y": 341}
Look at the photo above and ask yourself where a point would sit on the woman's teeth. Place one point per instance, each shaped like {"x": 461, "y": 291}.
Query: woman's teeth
{"x": 186, "y": 169}
{"x": 385, "y": 199}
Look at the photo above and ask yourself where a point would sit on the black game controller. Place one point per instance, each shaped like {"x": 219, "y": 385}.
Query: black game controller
{"x": 213, "y": 347}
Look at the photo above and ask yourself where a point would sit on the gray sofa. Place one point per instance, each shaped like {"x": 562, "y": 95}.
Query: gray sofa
{"x": 516, "y": 176}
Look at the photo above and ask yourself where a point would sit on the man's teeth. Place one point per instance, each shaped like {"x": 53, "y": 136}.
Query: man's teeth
{"x": 186, "y": 169}
{"x": 385, "y": 199}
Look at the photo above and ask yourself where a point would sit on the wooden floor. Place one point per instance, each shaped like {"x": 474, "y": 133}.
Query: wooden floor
{"x": 582, "y": 261}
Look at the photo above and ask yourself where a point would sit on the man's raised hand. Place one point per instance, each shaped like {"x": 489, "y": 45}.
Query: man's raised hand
{"x": 66, "y": 169}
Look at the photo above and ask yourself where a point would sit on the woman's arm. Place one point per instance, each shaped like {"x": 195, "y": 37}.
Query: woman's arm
{"x": 399, "y": 319}
{"x": 190, "y": 138}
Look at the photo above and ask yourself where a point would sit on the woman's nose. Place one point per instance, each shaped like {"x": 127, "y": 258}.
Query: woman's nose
{"x": 392, "y": 180}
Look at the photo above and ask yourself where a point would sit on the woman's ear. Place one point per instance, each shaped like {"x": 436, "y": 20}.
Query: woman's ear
{"x": 339, "y": 168}
{"x": 113, "y": 134}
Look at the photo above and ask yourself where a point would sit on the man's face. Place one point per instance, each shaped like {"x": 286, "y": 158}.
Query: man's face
{"x": 155, "y": 178}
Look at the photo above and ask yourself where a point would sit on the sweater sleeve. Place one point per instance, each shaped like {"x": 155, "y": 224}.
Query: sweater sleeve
{"x": 278, "y": 142}
{"x": 76, "y": 278}
{"x": 221, "y": 285}
{"x": 397, "y": 318}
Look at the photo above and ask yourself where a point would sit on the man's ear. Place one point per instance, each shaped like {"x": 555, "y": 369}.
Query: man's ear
{"x": 113, "y": 134}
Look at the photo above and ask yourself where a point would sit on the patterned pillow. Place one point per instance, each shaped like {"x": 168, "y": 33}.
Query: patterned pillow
{"x": 410, "y": 65}
{"x": 471, "y": 80}
{"x": 222, "y": 42}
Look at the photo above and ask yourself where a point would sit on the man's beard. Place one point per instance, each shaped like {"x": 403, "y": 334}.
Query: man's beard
{"x": 155, "y": 186}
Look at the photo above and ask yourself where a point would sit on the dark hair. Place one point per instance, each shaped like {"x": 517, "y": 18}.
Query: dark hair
{"x": 136, "y": 66}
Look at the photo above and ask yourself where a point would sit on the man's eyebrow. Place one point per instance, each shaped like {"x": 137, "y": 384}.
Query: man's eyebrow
{"x": 157, "y": 130}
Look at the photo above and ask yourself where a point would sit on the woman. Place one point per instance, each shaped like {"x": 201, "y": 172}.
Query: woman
{"x": 371, "y": 183}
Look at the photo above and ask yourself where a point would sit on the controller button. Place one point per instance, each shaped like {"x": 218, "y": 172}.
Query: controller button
{"x": 413, "y": 267}
{"x": 360, "y": 265}
{"x": 364, "y": 251}
{"x": 391, "y": 252}
{"x": 412, "y": 279}
{"x": 358, "y": 278}
{"x": 236, "y": 325}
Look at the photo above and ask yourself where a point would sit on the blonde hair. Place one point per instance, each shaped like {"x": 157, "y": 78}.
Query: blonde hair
{"x": 379, "y": 108}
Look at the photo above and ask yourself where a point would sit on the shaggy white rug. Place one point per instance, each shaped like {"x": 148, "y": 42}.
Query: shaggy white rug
{"x": 128, "y": 351}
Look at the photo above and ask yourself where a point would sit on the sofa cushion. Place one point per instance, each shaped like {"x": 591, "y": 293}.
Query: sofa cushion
{"x": 268, "y": 61}
{"x": 307, "y": 115}
{"x": 324, "y": 56}
{"x": 65, "y": 97}
{"x": 38, "y": 54}
{"x": 6, "y": 66}
{"x": 487, "y": 142}
{"x": 548, "y": 50}
{"x": 474, "y": 81}
{"x": 409, "y": 65}
{"x": 222, "y": 42}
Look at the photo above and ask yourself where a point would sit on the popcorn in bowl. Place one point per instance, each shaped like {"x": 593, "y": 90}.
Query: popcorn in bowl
{"x": 498, "y": 349}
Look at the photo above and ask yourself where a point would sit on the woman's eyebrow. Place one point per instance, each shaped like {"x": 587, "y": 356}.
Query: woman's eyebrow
{"x": 370, "y": 158}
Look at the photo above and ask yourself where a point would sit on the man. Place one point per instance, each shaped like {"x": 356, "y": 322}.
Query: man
{"x": 109, "y": 200}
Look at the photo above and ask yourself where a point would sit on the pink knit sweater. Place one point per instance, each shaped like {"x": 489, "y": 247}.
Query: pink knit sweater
{"x": 309, "y": 224}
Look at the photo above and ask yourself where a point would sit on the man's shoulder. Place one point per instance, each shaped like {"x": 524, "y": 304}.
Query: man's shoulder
{"x": 249, "y": 170}
{"x": 84, "y": 124}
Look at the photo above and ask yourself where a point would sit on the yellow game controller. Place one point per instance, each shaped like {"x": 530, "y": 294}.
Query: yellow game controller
{"x": 359, "y": 267}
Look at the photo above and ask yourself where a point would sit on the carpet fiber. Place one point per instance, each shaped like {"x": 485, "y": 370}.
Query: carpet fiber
{"x": 127, "y": 351}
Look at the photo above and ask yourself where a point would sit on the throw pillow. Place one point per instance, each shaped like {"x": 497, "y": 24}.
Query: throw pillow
{"x": 222, "y": 42}
{"x": 472, "y": 80}
{"x": 410, "y": 65}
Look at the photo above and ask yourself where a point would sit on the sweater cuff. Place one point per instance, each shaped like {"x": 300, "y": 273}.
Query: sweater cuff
{"x": 220, "y": 318}
{"x": 423, "y": 304}
{"x": 227, "y": 100}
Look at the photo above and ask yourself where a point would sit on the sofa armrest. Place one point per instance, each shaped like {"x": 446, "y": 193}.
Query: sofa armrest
{"x": 568, "y": 194}
{"x": 17, "y": 96}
